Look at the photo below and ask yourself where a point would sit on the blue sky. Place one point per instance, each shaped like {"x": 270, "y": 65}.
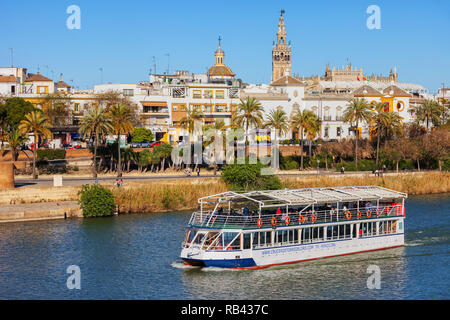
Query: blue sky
{"x": 122, "y": 37}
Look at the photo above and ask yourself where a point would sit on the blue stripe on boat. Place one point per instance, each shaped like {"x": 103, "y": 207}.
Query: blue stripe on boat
{"x": 230, "y": 263}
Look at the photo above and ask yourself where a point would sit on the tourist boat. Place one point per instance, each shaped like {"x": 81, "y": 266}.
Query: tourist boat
{"x": 259, "y": 229}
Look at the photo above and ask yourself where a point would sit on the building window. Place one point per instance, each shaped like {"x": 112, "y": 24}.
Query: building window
{"x": 174, "y": 107}
{"x": 208, "y": 108}
{"x": 76, "y": 107}
{"x": 220, "y": 94}
{"x": 326, "y": 132}
{"x": 197, "y": 94}
{"x": 208, "y": 94}
{"x": 339, "y": 116}
{"x": 338, "y": 131}
{"x": 128, "y": 92}
{"x": 400, "y": 106}
{"x": 42, "y": 89}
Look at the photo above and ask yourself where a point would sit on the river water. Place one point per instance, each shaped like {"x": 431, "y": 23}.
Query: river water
{"x": 136, "y": 257}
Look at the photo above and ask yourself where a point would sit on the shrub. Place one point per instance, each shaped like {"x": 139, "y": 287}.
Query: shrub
{"x": 249, "y": 177}
{"x": 50, "y": 154}
{"x": 96, "y": 201}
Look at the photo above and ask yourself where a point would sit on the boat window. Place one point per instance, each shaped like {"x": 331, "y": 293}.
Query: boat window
{"x": 246, "y": 243}
{"x": 347, "y": 233}
{"x": 255, "y": 236}
{"x": 306, "y": 235}
{"x": 210, "y": 239}
{"x": 199, "y": 238}
{"x": 228, "y": 238}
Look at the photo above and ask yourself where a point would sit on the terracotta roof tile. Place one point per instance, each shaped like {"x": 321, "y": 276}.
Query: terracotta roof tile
{"x": 366, "y": 90}
{"x": 37, "y": 77}
{"x": 220, "y": 71}
{"x": 395, "y": 91}
{"x": 286, "y": 80}
{"x": 8, "y": 78}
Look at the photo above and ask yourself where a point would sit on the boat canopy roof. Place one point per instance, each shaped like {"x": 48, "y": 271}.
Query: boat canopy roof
{"x": 268, "y": 198}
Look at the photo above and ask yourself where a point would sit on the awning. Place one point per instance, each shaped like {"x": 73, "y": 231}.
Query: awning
{"x": 154, "y": 103}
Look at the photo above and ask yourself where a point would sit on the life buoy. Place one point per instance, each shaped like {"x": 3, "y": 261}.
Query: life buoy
{"x": 260, "y": 222}
{"x": 378, "y": 212}
{"x": 287, "y": 220}
{"x": 348, "y": 215}
{"x": 273, "y": 221}
{"x": 229, "y": 248}
{"x": 358, "y": 214}
{"x": 219, "y": 248}
{"x": 300, "y": 219}
{"x": 368, "y": 213}
{"x": 313, "y": 218}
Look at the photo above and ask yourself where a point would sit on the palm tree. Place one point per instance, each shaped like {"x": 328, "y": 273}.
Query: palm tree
{"x": 278, "y": 120}
{"x": 15, "y": 140}
{"x": 249, "y": 113}
{"x": 300, "y": 121}
{"x": 188, "y": 121}
{"x": 312, "y": 129}
{"x": 95, "y": 124}
{"x": 377, "y": 123}
{"x": 391, "y": 125}
{"x": 428, "y": 111}
{"x": 37, "y": 123}
{"x": 121, "y": 122}
{"x": 357, "y": 111}
{"x": 216, "y": 127}
{"x": 192, "y": 116}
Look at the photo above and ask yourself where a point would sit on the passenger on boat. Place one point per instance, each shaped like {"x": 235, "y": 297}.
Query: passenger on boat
{"x": 368, "y": 206}
{"x": 278, "y": 212}
{"x": 220, "y": 211}
{"x": 332, "y": 212}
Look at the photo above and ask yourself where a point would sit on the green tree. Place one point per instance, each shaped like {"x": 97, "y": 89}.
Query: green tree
{"x": 121, "y": 116}
{"x": 142, "y": 135}
{"x": 164, "y": 150}
{"x": 299, "y": 121}
{"x": 96, "y": 201}
{"x": 248, "y": 177}
{"x": 15, "y": 110}
{"x": 429, "y": 112}
{"x": 313, "y": 126}
{"x": 278, "y": 120}
{"x": 249, "y": 113}
{"x": 15, "y": 140}
{"x": 357, "y": 111}
{"x": 188, "y": 121}
{"x": 37, "y": 123}
{"x": 95, "y": 124}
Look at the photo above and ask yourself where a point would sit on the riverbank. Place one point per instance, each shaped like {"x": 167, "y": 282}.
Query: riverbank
{"x": 182, "y": 194}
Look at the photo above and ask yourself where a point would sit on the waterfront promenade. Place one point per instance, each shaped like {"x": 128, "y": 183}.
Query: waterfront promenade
{"x": 147, "y": 193}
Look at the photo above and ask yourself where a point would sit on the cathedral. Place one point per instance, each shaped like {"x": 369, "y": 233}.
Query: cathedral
{"x": 281, "y": 53}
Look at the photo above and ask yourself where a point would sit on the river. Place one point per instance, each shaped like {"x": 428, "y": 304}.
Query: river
{"x": 136, "y": 257}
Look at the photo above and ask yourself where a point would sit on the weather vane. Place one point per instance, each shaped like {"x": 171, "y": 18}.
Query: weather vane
{"x": 220, "y": 38}
{"x": 282, "y": 11}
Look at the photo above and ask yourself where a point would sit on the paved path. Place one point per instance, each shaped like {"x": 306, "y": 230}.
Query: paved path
{"x": 76, "y": 181}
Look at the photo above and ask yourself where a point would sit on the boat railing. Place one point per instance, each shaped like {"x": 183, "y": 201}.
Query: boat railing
{"x": 310, "y": 217}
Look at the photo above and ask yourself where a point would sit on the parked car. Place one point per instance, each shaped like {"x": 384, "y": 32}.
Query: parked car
{"x": 156, "y": 143}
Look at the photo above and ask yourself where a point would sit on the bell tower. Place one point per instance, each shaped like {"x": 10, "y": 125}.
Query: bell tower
{"x": 281, "y": 53}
